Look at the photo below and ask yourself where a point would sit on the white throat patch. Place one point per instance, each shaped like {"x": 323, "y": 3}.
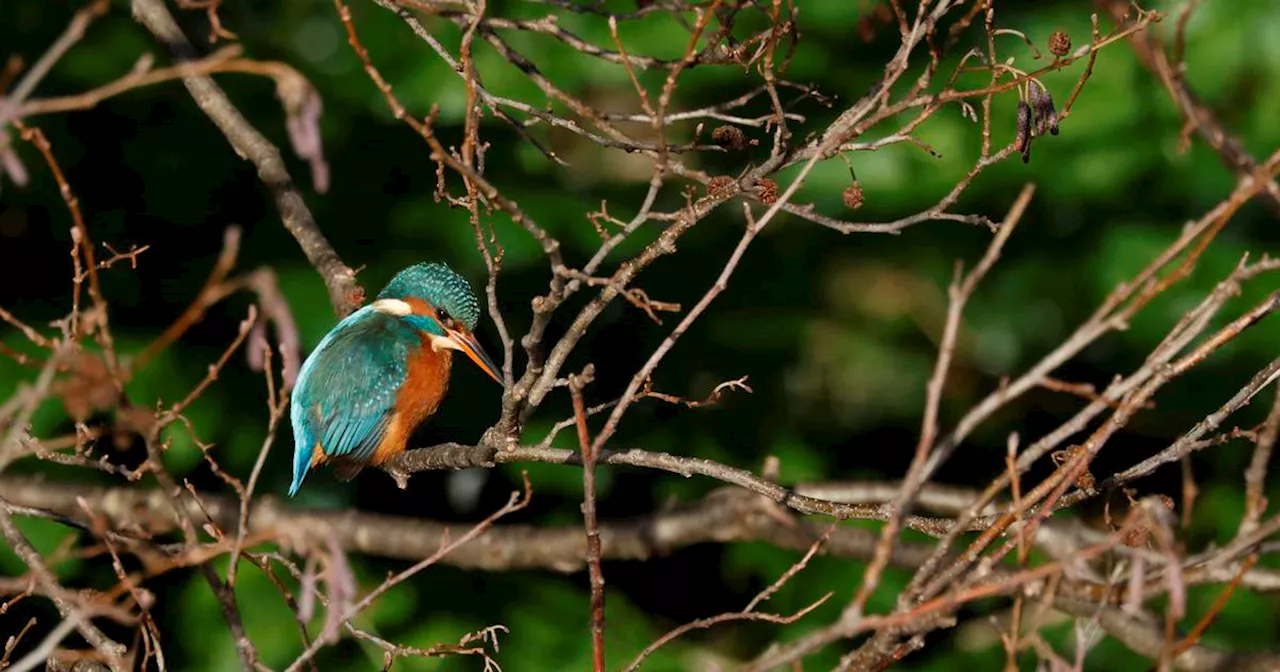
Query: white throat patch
{"x": 439, "y": 343}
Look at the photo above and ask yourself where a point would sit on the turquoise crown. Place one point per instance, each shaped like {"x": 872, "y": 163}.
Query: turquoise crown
{"x": 438, "y": 285}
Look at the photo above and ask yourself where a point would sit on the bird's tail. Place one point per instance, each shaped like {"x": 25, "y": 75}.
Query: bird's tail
{"x": 303, "y": 451}
{"x": 298, "y": 476}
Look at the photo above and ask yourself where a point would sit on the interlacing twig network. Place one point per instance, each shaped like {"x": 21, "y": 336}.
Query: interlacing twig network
{"x": 1110, "y": 577}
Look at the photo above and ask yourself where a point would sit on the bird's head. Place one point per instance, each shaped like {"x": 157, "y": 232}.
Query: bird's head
{"x": 433, "y": 299}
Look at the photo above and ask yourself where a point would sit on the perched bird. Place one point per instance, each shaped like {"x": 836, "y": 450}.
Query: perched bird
{"x": 382, "y": 372}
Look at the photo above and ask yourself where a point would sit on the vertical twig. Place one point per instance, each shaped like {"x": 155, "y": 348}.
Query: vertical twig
{"x": 276, "y": 405}
{"x": 82, "y": 245}
{"x": 1255, "y": 477}
{"x": 589, "y": 455}
{"x": 921, "y": 466}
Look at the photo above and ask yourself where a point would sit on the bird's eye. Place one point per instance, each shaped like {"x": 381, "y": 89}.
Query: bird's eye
{"x": 443, "y": 316}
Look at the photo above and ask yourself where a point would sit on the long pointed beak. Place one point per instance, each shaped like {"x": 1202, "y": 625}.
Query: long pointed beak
{"x": 468, "y": 344}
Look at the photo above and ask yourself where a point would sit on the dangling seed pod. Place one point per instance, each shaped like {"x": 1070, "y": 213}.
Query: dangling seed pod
{"x": 729, "y": 137}
{"x": 1042, "y": 103}
{"x": 853, "y": 193}
{"x": 853, "y": 196}
{"x": 1059, "y": 43}
{"x": 1022, "y": 136}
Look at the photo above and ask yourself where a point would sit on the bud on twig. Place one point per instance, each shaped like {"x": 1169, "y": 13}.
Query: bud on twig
{"x": 1059, "y": 43}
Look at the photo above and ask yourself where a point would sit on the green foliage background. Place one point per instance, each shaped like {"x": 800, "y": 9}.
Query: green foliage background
{"x": 836, "y": 333}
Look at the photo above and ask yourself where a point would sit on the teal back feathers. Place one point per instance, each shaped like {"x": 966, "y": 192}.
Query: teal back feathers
{"x": 347, "y": 388}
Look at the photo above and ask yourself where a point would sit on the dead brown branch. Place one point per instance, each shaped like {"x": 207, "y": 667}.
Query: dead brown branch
{"x": 344, "y": 293}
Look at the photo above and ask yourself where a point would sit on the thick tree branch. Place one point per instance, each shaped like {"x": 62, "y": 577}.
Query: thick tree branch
{"x": 457, "y": 456}
{"x": 727, "y": 515}
{"x": 344, "y": 292}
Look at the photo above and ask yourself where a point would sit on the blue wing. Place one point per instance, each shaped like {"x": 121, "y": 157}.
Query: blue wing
{"x": 346, "y": 390}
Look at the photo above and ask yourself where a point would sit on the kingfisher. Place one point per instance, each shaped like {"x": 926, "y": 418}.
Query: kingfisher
{"x": 382, "y": 371}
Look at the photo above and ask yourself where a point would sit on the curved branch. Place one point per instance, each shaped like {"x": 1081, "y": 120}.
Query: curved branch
{"x": 727, "y": 515}
{"x": 458, "y": 456}
{"x": 344, "y": 292}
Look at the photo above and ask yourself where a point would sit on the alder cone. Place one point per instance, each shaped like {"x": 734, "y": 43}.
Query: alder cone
{"x": 768, "y": 190}
{"x": 853, "y": 196}
{"x": 720, "y": 184}
{"x": 1059, "y": 43}
{"x": 729, "y": 137}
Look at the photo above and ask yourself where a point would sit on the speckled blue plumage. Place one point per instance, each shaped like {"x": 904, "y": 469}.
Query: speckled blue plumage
{"x": 346, "y": 389}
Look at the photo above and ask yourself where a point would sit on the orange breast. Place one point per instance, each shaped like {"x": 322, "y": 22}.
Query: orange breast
{"x": 426, "y": 382}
